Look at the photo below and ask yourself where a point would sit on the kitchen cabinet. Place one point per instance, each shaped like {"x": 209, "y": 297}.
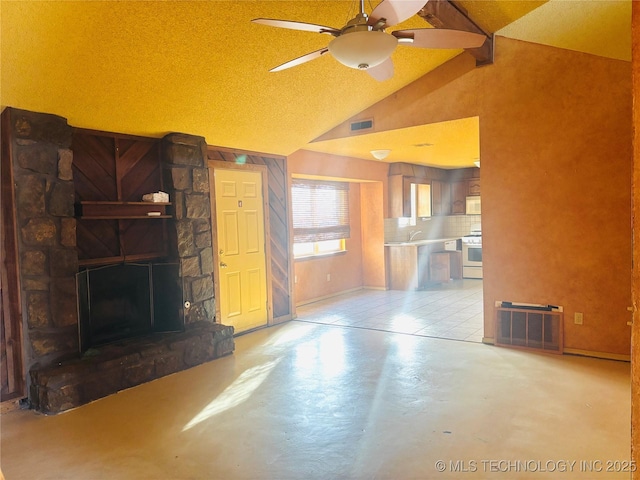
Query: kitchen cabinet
{"x": 458, "y": 197}
{"x": 441, "y": 198}
{"x": 408, "y": 197}
{"x": 399, "y": 196}
{"x": 413, "y": 266}
{"x": 473, "y": 186}
{"x": 448, "y": 190}
{"x": 439, "y": 267}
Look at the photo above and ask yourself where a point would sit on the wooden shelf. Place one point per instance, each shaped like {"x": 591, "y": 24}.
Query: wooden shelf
{"x": 113, "y": 210}
{"x": 109, "y": 202}
{"x": 119, "y": 217}
{"x": 91, "y": 262}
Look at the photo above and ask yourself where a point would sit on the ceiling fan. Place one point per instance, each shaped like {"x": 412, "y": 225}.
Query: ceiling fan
{"x": 363, "y": 43}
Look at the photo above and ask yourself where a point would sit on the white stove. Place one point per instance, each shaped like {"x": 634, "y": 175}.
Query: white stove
{"x": 472, "y": 253}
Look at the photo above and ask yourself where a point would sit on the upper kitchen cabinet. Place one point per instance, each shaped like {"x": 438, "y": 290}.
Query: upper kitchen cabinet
{"x": 432, "y": 191}
{"x": 408, "y": 197}
{"x": 473, "y": 186}
{"x": 458, "y": 197}
{"x": 399, "y": 196}
{"x": 441, "y": 198}
{"x": 410, "y": 189}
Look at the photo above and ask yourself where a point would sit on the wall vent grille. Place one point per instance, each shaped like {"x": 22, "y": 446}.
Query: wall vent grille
{"x": 361, "y": 125}
{"x": 529, "y": 327}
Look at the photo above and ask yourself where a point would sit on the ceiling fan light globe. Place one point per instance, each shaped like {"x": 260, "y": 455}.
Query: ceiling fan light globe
{"x": 380, "y": 154}
{"x": 363, "y": 49}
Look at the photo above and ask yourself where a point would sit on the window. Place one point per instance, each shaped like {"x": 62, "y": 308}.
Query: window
{"x": 320, "y": 217}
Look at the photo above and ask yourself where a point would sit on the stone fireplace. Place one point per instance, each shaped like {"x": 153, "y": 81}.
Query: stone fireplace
{"x": 105, "y": 304}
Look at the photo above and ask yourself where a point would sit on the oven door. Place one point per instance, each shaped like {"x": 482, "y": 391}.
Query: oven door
{"x": 471, "y": 260}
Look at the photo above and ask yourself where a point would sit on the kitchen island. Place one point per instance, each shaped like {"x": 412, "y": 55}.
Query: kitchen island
{"x": 417, "y": 264}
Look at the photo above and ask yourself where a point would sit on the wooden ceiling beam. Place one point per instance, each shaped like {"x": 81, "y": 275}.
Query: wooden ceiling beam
{"x": 446, "y": 14}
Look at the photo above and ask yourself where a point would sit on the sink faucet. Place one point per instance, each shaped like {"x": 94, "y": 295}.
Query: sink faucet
{"x": 413, "y": 235}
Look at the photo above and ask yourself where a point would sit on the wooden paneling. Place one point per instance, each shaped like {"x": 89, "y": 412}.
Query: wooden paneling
{"x": 138, "y": 168}
{"x": 94, "y": 168}
{"x": 97, "y": 239}
{"x": 110, "y": 167}
{"x": 278, "y": 222}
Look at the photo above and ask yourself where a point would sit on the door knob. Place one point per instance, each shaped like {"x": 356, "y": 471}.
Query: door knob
{"x": 223, "y": 265}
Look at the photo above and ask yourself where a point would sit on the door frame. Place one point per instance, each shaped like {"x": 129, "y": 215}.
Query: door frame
{"x": 212, "y": 166}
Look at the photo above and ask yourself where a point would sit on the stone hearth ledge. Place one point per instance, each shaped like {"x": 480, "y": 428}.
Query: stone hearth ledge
{"x": 108, "y": 369}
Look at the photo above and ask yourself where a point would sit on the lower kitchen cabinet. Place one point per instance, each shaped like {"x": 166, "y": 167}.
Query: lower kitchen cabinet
{"x": 403, "y": 267}
{"x": 414, "y": 267}
{"x": 439, "y": 267}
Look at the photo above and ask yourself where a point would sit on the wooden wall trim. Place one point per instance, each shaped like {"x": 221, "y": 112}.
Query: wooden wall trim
{"x": 9, "y": 272}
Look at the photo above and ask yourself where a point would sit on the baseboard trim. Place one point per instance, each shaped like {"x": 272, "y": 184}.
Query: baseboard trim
{"x": 602, "y": 355}
{"x": 576, "y": 351}
{"x": 317, "y": 299}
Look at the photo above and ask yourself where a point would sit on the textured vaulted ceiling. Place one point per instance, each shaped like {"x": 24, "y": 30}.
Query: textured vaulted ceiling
{"x": 149, "y": 68}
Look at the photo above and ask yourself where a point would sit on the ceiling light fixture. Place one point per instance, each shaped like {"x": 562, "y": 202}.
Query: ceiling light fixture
{"x": 363, "y": 49}
{"x": 380, "y": 154}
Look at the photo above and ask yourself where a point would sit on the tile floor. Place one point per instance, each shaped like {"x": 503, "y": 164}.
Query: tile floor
{"x": 453, "y": 311}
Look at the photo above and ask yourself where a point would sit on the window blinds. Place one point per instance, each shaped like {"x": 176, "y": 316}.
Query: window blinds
{"x": 320, "y": 210}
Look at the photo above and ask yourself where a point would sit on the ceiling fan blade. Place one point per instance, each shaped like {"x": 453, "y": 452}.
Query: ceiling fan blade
{"x": 300, "y": 60}
{"x": 307, "y": 27}
{"x": 382, "y": 72}
{"x": 395, "y": 11}
{"x": 439, "y": 38}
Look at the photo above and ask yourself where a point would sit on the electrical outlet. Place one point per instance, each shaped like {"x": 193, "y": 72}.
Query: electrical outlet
{"x": 577, "y": 318}
{"x": 328, "y": 277}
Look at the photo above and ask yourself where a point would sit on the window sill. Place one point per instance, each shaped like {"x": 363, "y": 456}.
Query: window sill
{"x": 318, "y": 256}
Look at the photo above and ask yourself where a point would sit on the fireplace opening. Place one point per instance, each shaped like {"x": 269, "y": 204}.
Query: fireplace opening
{"x": 117, "y": 302}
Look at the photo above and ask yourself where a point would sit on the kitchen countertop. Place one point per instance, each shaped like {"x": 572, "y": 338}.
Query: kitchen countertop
{"x": 417, "y": 243}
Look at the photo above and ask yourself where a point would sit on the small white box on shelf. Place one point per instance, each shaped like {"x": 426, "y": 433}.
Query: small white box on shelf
{"x": 157, "y": 197}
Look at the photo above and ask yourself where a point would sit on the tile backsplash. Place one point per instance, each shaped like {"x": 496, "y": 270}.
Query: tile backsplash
{"x": 399, "y": 229}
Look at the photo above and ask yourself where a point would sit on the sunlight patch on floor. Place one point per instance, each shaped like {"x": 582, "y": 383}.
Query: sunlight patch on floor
{"x": 235, "y": 394}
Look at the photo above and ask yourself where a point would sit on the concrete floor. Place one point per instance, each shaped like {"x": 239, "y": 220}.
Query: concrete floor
{"x": 312, "y": 401}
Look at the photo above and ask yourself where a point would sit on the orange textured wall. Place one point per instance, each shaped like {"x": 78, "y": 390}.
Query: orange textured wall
{"x": 555, "y": 148}
{"x": 373, "y": 265}
{"x": 558, "y": 190}
{"x": 363, "y": 263}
